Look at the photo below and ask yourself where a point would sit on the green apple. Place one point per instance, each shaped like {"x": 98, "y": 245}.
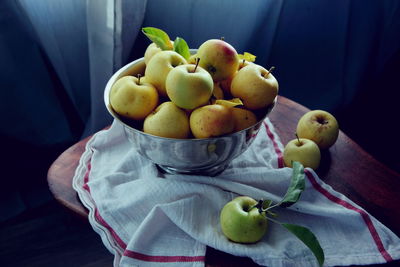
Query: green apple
{"x": 302, "y": 150}
{"x": 132, "y": 98}
{"x": 219, "y": 58}
{"x": 255, "y": 86}
{"x": 211, "y": 121}
{"x": 242, "y": 222}
{"x": 159, "y": 67}
{"x": 167, "y": 120}
{"x": 319, "y": 126}
{"x": 189, "y": 86}
{"x": 243, "y": 118}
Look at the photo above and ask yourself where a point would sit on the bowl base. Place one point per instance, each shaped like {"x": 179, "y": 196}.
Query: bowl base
{"x": 209, "y": 171}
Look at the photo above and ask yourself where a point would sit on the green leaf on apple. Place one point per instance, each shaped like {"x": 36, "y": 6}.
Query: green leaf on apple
{"x": 297, "y": 186}
{"x": 308, "y": 238}
{"x": 159, "y": 37}
{"x": 181, "y": 47}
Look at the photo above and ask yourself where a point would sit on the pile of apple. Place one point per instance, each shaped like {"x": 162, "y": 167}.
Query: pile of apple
{"x": 208, "y": 94}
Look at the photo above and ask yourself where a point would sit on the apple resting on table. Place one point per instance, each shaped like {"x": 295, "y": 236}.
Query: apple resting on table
{"x": 159, "y": 67}
{"x": 255, "y": 86}
{"x": 219, "y": 58}
{"x": 319, "y": 126}
{"x": 132, "y": 98}
{"x": 167, "y": 120}
{"x": 189, "y": 86}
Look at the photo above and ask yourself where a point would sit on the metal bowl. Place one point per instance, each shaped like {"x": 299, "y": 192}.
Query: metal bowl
{"x": 189, "y": 156}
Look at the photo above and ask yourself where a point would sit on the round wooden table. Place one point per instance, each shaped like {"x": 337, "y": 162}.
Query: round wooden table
{"x": 345, "y": 166}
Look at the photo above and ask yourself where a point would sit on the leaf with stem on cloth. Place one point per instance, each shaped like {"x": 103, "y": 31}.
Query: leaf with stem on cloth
{"x": 297, "y": 186}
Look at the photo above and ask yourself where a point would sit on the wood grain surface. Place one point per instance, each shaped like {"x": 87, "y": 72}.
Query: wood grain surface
{"x": 345, "y": 166}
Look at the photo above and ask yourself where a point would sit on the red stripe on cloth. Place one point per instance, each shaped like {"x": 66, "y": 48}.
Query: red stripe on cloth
{"x": 364, "y": 215}
{"x": 122, "y": 244}
{"x": 144, "y": 257}
{"x": 114, "y": 234}
{"x": 276, "y": 147}
{"x": 86, "y": 178}
{"x": 328, "y": 195}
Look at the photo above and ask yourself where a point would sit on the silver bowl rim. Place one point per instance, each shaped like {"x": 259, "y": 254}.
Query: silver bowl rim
{"x": 117, "y": 75}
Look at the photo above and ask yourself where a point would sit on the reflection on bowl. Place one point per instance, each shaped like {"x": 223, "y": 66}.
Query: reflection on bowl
{"x": 190, "y": 156}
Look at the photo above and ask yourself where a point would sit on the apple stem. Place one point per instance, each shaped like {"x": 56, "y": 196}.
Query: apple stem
{"x": 271, "y": 207}
{"x": 138, "y": 76}
{"x": 243, "y": 61}
{"x": 197, "y": 64}
{"x": 222, "y": 38}
{"x": 259, "y": 206}
{"x": 273, "y": 220}
{"x": 269, "y": 71}
{"x": 298, "y": 139}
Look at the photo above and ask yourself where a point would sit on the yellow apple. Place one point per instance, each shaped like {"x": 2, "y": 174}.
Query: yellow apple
{"x": 255, "y": 86}
{"x": 211, "y": 121}
{"x": 243, "y": 118}
{"x": 159, "y": 67}
{"x": 302, "y": 150}
{"x": 319, "y": 126}
{"x": 132, "y": 98}
{"x": 189, "y": 86}
{"x": 151, "y": 50}
{"x": 243, "y": 63}
{"x": 226, "y": 85}
{"x": 167, "y": 120}
{"x": 219, "y": 58}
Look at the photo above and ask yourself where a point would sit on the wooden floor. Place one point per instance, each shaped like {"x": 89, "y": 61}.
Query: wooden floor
{"x": 50, "y": 236}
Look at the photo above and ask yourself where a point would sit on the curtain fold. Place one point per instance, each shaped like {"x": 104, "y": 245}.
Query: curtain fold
{"x": 112, "y": 30}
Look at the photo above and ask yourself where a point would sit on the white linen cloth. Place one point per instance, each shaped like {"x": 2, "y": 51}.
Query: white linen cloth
{"x": 148, "y": 218}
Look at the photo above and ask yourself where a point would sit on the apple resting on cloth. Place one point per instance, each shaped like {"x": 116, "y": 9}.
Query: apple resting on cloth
{"x": 167, "y": 120}
{"x": 211, "y": 121}
{"x": 319, "y": 126}
{"x": 159, "y": 67}
{"x": 242, "y": 222}
{"x": 189, "y": 86}
{"x": 219, "y": 58}
{"x": 302, "y": 150}
{"x": 255, "y": 86}
{"x": 132, "y": 98}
